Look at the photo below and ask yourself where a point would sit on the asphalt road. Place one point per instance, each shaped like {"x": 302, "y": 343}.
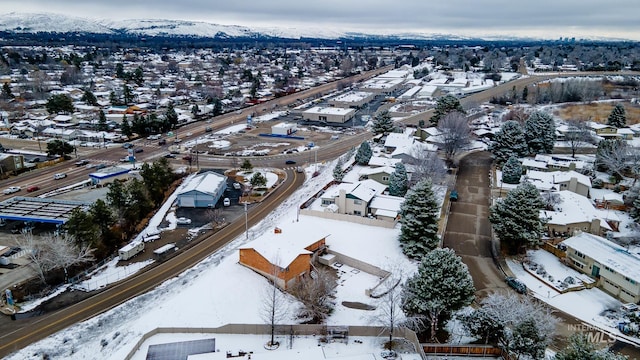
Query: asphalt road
{"x": 28, "y": 331}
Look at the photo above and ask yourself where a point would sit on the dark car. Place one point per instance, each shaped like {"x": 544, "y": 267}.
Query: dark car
{"x": 290, "y": 162}
{"x": 170, "y": 156}
{"x": 516, "y": 284}
{"x": 162, "y": 142}
{"x": 81, "y": 162}
{"x": 138, "y": 150}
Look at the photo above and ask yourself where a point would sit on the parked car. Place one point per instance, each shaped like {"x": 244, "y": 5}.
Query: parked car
{"x": 170, "y": 156}
{"x": 59, "y": 176}
{"x": 208, "y": 129}
{"x": 290, "y": 162}
{"x": 183, "y": 221}
{"x": 226, "y": 202}
{"x": 11, "y": 190}
{"x": 162, "y": 142}
{"x": 127, "y": 145}
{"x": 237, "y": 186}
{"x": 138, "y": 150}
{"x": 33, "y": 188}
{"x": 516, "y": 284}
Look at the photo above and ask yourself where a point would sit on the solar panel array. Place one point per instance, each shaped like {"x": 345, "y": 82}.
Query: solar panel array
{"x": 181, "y": 350}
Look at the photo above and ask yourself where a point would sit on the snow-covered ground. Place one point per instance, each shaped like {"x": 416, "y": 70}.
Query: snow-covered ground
{"x": 218, "y": 291}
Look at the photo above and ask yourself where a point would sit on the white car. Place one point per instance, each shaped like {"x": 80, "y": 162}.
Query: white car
{"x": 11, "y": 190}
{"x": 226, "y": 202}
{"x": 183, "y": 221}
{"x": 59, "y": 176}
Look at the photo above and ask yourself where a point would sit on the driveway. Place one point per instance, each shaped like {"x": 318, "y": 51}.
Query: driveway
{"x": 468, "y": 230}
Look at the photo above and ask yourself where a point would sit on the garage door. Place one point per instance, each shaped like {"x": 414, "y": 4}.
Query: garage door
{"x": 187, "y": 201}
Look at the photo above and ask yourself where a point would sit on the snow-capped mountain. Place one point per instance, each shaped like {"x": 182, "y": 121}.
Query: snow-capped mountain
{"x": 56, "y": 23}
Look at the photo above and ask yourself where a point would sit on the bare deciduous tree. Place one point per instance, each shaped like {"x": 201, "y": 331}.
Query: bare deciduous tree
{"x": 315, "y": 293}
{"x": 54, "y": 252}
{"x": 427, "y": 164}
{"x": 274, "y": 305}
{"x": 579, "y": 134}
{"x": 455, "y": 134}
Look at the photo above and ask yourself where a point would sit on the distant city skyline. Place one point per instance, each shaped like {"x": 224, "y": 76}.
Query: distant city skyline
{"x": 487, "y": 18}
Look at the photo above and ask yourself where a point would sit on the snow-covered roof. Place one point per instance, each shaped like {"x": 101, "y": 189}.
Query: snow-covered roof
{"x": 206, "y": 182}
{"x": 365, "y": 190}
{"x": 386, "y": 202}
{"x": 353, "y": 96}
{"x": 376, "y": 170}
{"x": 396, "y": 140}
{"x": 545, "y": 180}
{"x": 607, "y": 253}
{"x": 329, "y": 110}
{"x": 383, "y": 161}
{"x": 574, "y": 209}
{"x": 282, "y": 248}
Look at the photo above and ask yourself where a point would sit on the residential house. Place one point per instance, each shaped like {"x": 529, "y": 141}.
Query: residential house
{"x": 553, "y": 162}
{"x": 353, "y": 199}
{"x": 386, "y": 207}
{"x": 616, "y": 269}
{"x": 203, "y": 190}
{"x": 604, "y": 130}
{"x": 395, "y": 141}
{"x": 284, "y": 256}
{"x": 575, "y": 213}
{"x": 380, "y": 174}
{"x": 560, "y": 180}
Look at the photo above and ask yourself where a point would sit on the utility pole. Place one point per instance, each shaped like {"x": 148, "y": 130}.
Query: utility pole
{"x": 246, "y": 222}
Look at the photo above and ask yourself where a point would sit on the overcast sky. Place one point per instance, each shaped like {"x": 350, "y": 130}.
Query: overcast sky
{"x": 539, "y": 18}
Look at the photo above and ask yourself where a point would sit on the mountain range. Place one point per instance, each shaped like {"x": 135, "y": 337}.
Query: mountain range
{"x": 57, "y": 23}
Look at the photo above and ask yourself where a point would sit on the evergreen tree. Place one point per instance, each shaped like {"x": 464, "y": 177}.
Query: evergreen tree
{"x": 420, "y": 214}
{"x": 338, "y": 172}
{"x": 618, "y": 116}
{"x": 217, "y": 107}
{"x": 59, "y": 147}
{"x": 171, "y": 116}
{"x": 127, "y": 94}
{"x": 89, "y": 98}
{"x": 59, "y": 103}
{"x": 580, "y": 348}
{"x": 512, "y": 171}
{"x": 398, "y": 181}
{"x": 516, "y": 218}
{"x": 138, "y": 76}
{"x": 540, "y": 132}
{"x": 364, "y": 154}
{"x": 528, "y": 340}
{"x": 382, "y": 123}
{"x": 508, "y": 142}
{"x": 258, "y": 180}
{"x": 102, "y": 121}
{"x": 6, "y": 91}
{"x": 441, "y": 286}
{"x": 246, "y": 165}
{"x": 125, "y": 127}
{"x": 114, "y": 99}
{"x": 445, "y": 105}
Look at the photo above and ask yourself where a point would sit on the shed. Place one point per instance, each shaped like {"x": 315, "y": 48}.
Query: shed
{"x": 283, "y": 128}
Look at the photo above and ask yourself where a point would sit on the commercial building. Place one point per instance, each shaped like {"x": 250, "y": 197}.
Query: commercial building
{"x": 203, "y": 190}
{"x": 328, "y": 114}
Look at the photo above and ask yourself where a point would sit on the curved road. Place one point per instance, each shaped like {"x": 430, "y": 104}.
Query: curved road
{"x": 31, "y": 330}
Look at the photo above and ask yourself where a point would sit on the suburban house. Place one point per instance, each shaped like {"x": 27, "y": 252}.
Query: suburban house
{"x": 380, "y": 174}
{"x": 394, "y": 141}
{"x": 616, "y": 269}
{"x": 386, "y": 207}
{"x": 604, "y": 130}
{"x": 553, "y": 163}
{"x": 203, "y": 190}
{"x": 285, "y": 255}
{"x": 560, "y": 180}
{"x": 329, "y": 114}
{"x": 575, "y": 213}
{"x": 352, "y": 199}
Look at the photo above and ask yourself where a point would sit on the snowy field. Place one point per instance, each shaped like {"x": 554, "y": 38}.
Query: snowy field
{"x": 218, "y": 290}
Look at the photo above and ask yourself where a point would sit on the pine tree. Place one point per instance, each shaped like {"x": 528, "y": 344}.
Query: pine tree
{"x": 516, "y": 219}
{"x": 6, "y": 91}
{"x": 102, "y": 121}
{"x": 338, "y": 172}
{"x": 441, "y": 286}
{"x": 171, "y": 116}
{"x": 445, "y": 105}
{"x": 540, "y": 132}
{"x": 125, "y": 127}
{"x": 382, "y": 123}
{"x": 398, "y": 181}
{"x": 420, "y": 213}
{"x": 512, "y": 171}
{"x": 528, "y": 340}
{"x": 508, "y": 142}
{"x": 364, "y": 154}
{"x": 618, "y": 116}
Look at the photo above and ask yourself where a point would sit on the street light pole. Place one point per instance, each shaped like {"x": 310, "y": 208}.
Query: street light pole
{"x": 246, "y": 222}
